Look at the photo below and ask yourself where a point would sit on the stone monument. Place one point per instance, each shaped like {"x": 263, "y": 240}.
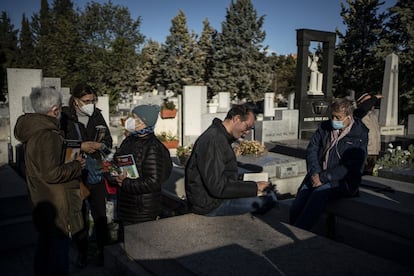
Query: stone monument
{"x": 388, "y": 119}
{"x": 313, "y": 102}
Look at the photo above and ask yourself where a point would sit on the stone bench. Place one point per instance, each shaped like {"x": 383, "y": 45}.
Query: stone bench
{"x": 379, "y": 221}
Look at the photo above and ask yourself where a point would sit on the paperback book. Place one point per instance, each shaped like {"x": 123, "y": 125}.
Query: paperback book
{"x": 71, "y": 148}
{"x": 127, "y": 163}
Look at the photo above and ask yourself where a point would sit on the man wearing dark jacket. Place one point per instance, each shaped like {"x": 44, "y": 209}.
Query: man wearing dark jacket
{"x": 211, "y": 175}
{"x": 335, "y": 160}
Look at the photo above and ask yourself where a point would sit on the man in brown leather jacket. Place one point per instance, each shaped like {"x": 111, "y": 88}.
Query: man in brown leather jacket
{"x": 53, "y": 185}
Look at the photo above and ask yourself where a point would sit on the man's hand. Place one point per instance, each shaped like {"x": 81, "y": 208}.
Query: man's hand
{"x": 316, "y": 181}
{"x": 90, "y": 146}
{"x": 81, "y": 160}
{"x": 261, "y": 186}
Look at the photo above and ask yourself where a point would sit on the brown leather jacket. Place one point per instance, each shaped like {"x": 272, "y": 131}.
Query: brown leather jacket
{"x": 49, "y": 179}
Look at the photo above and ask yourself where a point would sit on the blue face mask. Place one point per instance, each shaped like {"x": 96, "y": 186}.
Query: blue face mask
{"x": 337, "y": 124}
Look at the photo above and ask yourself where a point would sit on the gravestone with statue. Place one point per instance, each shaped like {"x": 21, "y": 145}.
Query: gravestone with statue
{"x": 313, "y": 88}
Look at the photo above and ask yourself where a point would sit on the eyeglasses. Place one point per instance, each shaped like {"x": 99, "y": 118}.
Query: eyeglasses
{"x": 248, "y": 128}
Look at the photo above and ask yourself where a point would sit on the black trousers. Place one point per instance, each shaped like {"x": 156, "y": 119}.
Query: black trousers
{"x": 97, "y": 205}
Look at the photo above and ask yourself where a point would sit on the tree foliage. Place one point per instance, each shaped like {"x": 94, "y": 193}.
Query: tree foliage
{"x": 148, "y": 60}
{"x": 110, "y": 39}
{"x": 355, "y": 58}
{"x": 8, "y": 51}
{"x": 400, "y": 40}
{"x": 179, "y": 58}
{"x": 205, "y": 43}
{"x": 284, "y": 74}
{"x": 26, "y": 51}
{"x": 239, "y": 58}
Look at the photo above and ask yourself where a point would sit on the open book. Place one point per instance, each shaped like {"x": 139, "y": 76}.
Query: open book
{"x": 263, "y": 176}
{"x": 127, "y": 163}
{"x": 71, "y": 148}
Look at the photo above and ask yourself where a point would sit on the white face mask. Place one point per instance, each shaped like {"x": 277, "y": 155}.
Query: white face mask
{"x": 88, "y": 109}
{"x": 130, "y": 124}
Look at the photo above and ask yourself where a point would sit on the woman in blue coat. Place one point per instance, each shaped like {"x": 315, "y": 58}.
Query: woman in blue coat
{"x": 335, "y": 160}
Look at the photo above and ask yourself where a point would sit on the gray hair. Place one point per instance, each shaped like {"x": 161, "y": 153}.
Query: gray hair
{"x": 43, "y": 99}
{"x": 342, "y": 104}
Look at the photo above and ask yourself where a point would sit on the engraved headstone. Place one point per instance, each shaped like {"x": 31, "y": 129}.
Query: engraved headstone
{"x": 283, "y": 127}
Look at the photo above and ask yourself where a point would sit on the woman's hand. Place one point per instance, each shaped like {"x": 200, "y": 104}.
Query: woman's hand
{"x": 120, "y": 178}
{"x": 90, "y": 146}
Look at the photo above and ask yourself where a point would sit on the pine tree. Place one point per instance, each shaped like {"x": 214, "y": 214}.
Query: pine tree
{"x": 357, "y": 65}
{"x": 205, "y": 45}
{"x": 179, "y": 62}
{"x": 41, "y": 27}
{"x": 27, "y": 54}
{"x": 62, "y": 43}
{"x": 240, "y": 62}
{"x": 148, "y": 60}
{"x": 8, "y": 51}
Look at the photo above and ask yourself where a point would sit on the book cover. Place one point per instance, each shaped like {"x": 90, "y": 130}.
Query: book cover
{"x": 127, "y": 163}
{"x": 70, "y": 149}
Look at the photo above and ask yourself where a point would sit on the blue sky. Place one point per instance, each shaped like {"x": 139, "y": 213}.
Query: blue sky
{"x": 282, "y": 18}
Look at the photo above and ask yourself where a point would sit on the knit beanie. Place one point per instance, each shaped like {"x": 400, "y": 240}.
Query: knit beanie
{"x": 147, "y": 113}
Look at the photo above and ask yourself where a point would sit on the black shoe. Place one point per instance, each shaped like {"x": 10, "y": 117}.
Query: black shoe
{"x": 100, "y": 258}
{"x": 82, "y": 261}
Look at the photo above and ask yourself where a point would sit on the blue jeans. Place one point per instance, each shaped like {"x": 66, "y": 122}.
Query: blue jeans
{"x": 52, "y": 255}
{"x": 310, "y": 203}
{"x": 238, "y": 206}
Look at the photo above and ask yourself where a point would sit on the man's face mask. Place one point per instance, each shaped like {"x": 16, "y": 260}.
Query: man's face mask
{"x": 338, "y": 124}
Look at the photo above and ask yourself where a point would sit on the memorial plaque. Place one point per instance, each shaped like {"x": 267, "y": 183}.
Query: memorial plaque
{"x": 284, "y": 127}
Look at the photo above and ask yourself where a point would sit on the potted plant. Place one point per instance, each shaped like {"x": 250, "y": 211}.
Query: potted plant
{"x": 168, "y": 139}
{"x": 168, "y": 110}
{"x": 183, "y": 154}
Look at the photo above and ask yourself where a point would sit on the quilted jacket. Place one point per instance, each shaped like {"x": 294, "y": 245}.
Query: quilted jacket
{"x": 140, "y": 199}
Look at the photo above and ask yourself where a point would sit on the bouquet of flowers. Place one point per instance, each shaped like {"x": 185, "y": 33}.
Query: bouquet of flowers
{"x": 245, "y": 147}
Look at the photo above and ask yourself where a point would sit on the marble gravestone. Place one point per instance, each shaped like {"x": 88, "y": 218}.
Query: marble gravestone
{"x": 388, "y": 119}
{"x": 20, "y": 83}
